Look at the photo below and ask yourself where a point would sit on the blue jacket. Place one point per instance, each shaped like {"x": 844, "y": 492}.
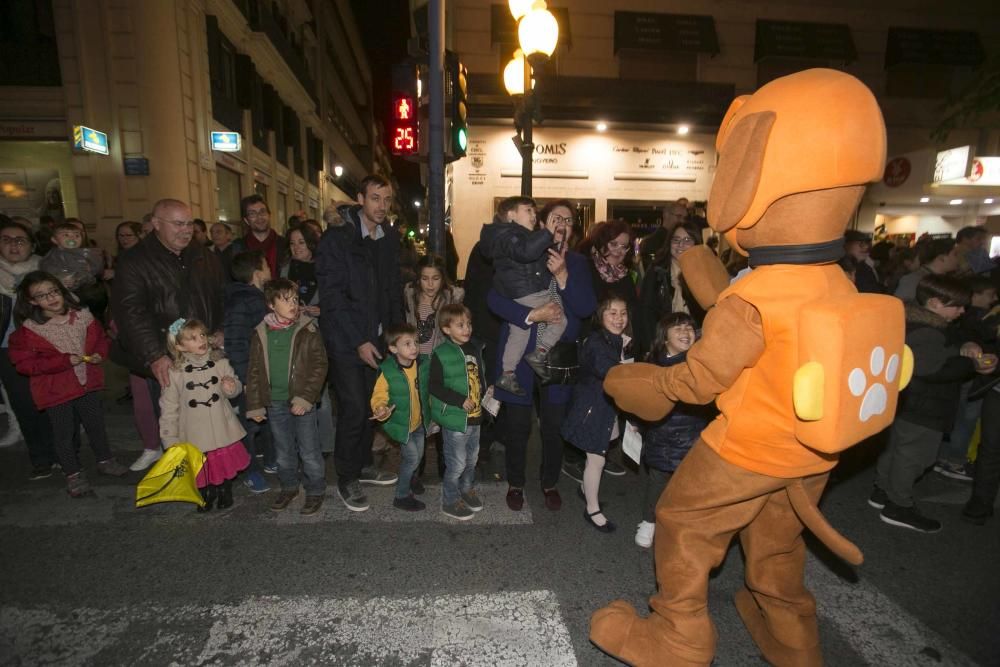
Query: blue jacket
{"x": 244, "y": 309}
{"x": 667, "y": 442}
{"x": 578, "y": 304}
{"x": 591, "y": 417}
{"x": 359, "y": 285}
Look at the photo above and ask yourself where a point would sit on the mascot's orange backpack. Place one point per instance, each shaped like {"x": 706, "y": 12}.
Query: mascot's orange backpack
{"x": 838, "y": 349}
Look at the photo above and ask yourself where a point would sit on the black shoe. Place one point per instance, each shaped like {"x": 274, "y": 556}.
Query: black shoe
{"x": 408, "y": 504}
{"x": 209, "y": 493}
{"x": 225, "y": 495}
{"x": 538, "y": 361}
{"x": 608, "y": 526}
{"x": 40, "y": 472}
{"x": 614, "y": 469}
{"x": 878, "y": 498}
{"x": 908, "y": 517}
{"x": 416, "y": 486}
{"x": 976, "y": 511}
{"x": 573, "y": 470}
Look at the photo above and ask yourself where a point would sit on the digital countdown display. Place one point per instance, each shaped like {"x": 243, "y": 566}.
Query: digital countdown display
{"x": 404, "y": 137}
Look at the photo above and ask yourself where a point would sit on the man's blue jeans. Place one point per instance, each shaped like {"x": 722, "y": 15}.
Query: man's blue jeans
{"x": 297, "y": 437}
{"x": 411, "y": 451}
{"x": 461, "y": 451}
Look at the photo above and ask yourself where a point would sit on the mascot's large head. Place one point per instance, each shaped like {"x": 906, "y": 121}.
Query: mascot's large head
{"x": 794, "y": 158}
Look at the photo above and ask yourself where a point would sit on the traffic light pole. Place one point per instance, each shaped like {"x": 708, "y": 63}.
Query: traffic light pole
{"x": 435, "y": 139}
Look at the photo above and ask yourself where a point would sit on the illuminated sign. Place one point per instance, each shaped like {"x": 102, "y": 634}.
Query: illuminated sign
{"x": 227, "y": 142}
{"x": 952, "y": 164}
{"x": 404, "y": 135}
{"x": 87, "y": 139}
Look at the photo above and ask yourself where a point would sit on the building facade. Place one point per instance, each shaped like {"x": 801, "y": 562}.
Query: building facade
{"x": 647, "y": 68}
{"x": 158, "y": 77}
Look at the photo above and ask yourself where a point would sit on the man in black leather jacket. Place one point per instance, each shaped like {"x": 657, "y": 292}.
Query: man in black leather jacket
{"x": 163, "y": 278}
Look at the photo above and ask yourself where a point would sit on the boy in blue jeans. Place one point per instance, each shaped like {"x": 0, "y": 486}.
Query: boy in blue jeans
{"x": 399, "y": 401}
{"x": 456, "y": 391}
{"x": 287, "y": 371}
{"x": 244, "y": 309}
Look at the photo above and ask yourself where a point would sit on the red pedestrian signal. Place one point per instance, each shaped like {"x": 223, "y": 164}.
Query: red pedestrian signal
{"x": 404, "y": 133}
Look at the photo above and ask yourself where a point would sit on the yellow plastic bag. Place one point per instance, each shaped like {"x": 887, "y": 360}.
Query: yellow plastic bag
{"x": 172, "y": 478}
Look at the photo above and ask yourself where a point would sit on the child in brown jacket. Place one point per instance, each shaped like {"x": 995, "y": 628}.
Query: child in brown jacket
{"x": 288, "y": 366}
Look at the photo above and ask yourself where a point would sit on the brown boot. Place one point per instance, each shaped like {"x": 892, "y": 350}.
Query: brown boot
{"x": 618, "y": 631}
{"x": 774, "y": 651}
{"x": 312, "y": 505}
{"x": 283, "y": 500}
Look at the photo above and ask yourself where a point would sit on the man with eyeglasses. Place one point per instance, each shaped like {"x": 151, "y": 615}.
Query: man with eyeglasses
{"x": 257, "y": 217}
{"x": 673, "y": 215}
{"x": 16, "y": 261}
{"x": 163, "y": 278}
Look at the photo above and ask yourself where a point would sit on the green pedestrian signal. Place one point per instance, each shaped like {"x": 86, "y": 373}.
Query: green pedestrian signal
{"x": 457, "y": 91}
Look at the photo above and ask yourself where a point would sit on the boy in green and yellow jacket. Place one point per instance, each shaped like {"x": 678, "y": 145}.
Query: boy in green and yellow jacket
{"x": 399, "y": 401}
{"x": 456, "y": 396}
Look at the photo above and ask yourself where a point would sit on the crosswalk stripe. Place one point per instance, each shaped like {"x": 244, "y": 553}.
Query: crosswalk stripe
{"x": 508, "y": 628}
{"x": 877, "y": 628}
{"x": 51, "y": 506}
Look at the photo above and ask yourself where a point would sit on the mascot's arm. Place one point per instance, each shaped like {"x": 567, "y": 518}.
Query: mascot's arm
{"x": 732, "y": 340}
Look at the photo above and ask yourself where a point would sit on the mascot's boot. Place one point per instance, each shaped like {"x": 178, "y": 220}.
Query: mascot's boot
{"x": 774, "y": 651}
{"x": 641, "y": 642}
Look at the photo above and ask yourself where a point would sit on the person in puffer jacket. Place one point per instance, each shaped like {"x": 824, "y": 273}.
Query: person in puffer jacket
{"x": 665, "y": 443}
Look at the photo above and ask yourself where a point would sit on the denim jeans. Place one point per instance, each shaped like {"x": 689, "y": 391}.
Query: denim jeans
{"x": 956, "y": 450}
{"x": 461, "y": 450}
{"x": 411, "y": 451}
{"x": 297, "y": 437}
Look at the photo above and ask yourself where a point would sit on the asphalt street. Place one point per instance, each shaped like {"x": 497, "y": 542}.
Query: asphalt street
{"x": 97, "y": 582}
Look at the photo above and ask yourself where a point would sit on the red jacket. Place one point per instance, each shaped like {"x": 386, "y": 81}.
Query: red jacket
{"x": 53, "y": 380}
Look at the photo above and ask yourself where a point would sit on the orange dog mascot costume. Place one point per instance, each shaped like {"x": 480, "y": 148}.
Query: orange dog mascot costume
{"x": 801, "y": 367}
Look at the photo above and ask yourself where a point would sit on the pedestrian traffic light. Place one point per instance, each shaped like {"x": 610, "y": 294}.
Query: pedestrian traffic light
{"x": 458, "y": 91}
{"x": 404, "y": 127}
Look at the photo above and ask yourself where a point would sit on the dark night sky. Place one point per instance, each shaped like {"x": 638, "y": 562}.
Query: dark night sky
{"x": 385, "y": 28}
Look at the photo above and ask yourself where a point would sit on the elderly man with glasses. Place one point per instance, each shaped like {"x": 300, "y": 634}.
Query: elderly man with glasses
{"x": 163, "y": 278}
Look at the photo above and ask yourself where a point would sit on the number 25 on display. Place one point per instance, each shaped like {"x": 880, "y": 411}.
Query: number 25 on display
{"x": 404, "y": 142}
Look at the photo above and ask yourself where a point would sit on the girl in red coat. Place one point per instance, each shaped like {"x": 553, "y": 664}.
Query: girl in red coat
{"x": 60, "y": 346}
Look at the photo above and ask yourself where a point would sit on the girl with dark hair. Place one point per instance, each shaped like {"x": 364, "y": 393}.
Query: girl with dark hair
{"x": 666, "y": 442}
{"x": 592, "y": 420}
{"x": 60, "y": 346}
{"x": 663, "y": 289}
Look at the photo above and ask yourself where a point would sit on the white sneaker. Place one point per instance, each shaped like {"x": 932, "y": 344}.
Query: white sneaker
{"x": 146, "y": 459}
{"x": 644, "y": 535}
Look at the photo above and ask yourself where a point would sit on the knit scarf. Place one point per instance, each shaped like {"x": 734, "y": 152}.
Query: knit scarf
{"x": 608, "y": 273}
{"x": 274, "y": 322}
{"x": 11, "y": 274}
{"x": 68, "y": 338}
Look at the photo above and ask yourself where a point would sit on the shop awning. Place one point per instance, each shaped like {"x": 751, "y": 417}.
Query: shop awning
{"x": 958, "y": 48}
{"x": 503, "y": 29}
{"x": 643, "y": 31}
{"x": 795, "y": 39}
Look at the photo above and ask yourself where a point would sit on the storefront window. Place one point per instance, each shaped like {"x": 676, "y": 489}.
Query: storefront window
{"x": 228, "y": 186}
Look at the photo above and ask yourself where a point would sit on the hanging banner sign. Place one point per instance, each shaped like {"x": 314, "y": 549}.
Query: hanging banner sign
{"x": 92, "y": 141}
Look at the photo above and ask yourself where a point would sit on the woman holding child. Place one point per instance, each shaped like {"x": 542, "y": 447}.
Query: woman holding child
{"x": 576, "y": 302}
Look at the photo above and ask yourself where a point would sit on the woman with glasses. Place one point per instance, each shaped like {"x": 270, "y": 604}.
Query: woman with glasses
{"x": 663, "y": 290}
{"x": 609, "y": 245}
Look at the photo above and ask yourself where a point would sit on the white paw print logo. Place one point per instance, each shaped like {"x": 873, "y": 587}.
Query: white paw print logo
{"x": 876, "y": 397}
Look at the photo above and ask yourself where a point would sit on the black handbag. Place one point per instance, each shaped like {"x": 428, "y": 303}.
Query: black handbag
{"x": 563, "y": 363}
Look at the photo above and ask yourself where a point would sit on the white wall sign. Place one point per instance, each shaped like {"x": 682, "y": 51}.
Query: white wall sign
{"x": 952, "y": 164}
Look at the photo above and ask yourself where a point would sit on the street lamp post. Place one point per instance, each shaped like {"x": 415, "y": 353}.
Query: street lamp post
{"x": 538, "y": 34}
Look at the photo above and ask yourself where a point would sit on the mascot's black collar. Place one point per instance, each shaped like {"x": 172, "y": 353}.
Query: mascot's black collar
{"x": 809, "y": 253}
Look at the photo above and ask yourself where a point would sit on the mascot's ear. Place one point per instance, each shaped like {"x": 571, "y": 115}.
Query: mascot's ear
{"x": 739, "y": 170}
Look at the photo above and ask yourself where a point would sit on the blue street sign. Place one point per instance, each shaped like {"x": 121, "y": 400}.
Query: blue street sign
{"x": 86, "y": 139}
{"x": 226, "y": 142}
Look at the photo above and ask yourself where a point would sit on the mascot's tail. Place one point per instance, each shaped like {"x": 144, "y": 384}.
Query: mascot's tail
{"x": 810, "y": 515}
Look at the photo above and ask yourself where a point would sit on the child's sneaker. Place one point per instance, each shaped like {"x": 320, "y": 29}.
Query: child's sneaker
{"x": 408, "y": 504}
{"x": 458, "y": 510}
{"x": 416, "y": 486}
{"x": 538, "y": 361}
{"x": 508, "y": 382}
{"x": 146, "y": 459}
{"x": 271, "y": 468}
{"x": 472, "y": 500}
{"x": 77, "y": 486}
{"x": 256, "y": 482}
{"x": 283, "y": 500}
{"x": 644, "y": 535}
{"x": 908, "y": 517}
{"x": 959, "y": 471}
{"x": 312, "y": 505}
{"x": 878, "y": 498}
{"x": 40, "y": 472}
{"x": 111, "y": 467}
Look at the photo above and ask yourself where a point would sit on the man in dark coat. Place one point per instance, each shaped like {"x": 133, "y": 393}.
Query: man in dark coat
{"x": 163, "y": 278}
{"x": 357, "y": 267}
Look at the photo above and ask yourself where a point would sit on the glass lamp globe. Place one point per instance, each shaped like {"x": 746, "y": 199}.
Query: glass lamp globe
{"x": 519, "y": 8}
{"x": 513, "y": 75}
{"x": 538, "y": 31}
